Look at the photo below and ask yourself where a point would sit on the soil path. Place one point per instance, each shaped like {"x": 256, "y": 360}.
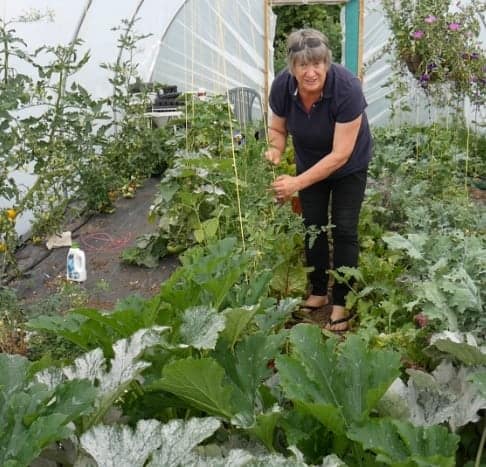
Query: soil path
{"x": 102, "y": 237}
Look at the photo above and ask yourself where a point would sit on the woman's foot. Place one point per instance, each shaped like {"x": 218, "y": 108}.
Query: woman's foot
{"x": 339, "y": 320}
{"x": 312, "y": 304}
{"x": 315, "y": 301}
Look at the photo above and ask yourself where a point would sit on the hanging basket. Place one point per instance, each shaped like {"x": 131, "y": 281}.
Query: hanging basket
{"x": 413, "y": 62}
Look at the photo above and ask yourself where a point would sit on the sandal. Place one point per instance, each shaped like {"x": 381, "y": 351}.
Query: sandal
{"x": 304, "y": 312}
{"x": 333, "y": 322}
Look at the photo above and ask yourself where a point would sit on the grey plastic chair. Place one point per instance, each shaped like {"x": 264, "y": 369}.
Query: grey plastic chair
{"x": 246, "y": 103}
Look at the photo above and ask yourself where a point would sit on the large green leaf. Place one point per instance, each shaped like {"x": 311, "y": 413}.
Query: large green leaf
{"x": 445, "y": 395}
{"x": 247, "y": 368}
{"x": 201, "y": 326}
{"x": 90, "y": 328}
{"x": 264, "y": 427}
{"x": 237, "y": 320}
{"x": 479, "y": 379}
{"x": 201, "y": 383}
{"x": 337, "y": 385}
{"x": 168, "y": 445}
{"x": 179, "y": 438}
{"x": 399, "y": 443}
{"x": 112, "y": 377}
{"x": 33, "y": 415}
{"x": 462, "y": 347}
{"x": 413, "y": 243}
{"x": 206, "y": 276}
{"x": 70, "y": 327}
{"x": 120, "y": 446}
{"x": 275, "y": 318}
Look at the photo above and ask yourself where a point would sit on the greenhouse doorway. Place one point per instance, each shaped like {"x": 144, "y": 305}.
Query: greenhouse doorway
{"x": 341, "y": 21}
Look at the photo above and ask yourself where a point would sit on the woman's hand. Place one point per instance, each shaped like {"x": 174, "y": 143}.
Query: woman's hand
{"x": 284, "y": 187}
{"x": 273, "y": 155}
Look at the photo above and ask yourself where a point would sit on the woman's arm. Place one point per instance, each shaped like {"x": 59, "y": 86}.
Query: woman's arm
{"x": 277, "y": 139}
{"x": 345, "y": 136}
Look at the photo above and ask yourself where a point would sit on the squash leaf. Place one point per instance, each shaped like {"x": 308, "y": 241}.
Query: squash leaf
{"x": 237, "y": 320}
{"x": 337, "y": 385}
{"x": 201, "y": 326}
{"x": 180, "y": 437}
{"x": 111, "y": 380}
{"x": 120, "y": 446}
{"x": 33, "y": 415}
{"x": 200, "y": 383}
{"x": 399, "y": 443}
{"x": 247, "y": 368}
{"x": 168, "y": 445}
{"x": 479, "y": 379}
{"x": 462, "y": 347}
{"x": 276, "y": 318}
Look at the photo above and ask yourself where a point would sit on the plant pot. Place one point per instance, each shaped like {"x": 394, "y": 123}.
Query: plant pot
{"x": 296, "y": 206}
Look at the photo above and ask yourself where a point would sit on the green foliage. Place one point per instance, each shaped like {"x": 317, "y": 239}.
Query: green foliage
{"x": 430, "y": 258}
{"x": 339, "y": 389}
{"x": 420, "y": 32}
{"x": 402, "y": 444}
{"x": 32, "y": 415}
{"x": 73, "y": 148}
{"x": 206, "y": 276}
{"x": 89, "y": 328}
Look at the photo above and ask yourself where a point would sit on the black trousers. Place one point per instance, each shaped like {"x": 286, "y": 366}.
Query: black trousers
{"x": 345, "y": 196}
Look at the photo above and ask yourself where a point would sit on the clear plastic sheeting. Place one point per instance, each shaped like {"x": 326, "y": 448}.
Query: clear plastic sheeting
{"x": 215, "y": 45}
{"x": 378, "y": 79}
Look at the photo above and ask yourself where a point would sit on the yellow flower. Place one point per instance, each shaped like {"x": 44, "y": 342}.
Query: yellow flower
{"x": 11, "y": 214}
{"x": 3, "y": 247}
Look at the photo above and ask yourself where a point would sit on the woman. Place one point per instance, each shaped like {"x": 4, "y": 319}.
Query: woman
{"x": 321, "y": 105}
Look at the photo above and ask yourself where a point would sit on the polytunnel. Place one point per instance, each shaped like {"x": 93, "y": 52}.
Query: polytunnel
{"x": 189, "y": 43}
{"x": 215, "y": 45}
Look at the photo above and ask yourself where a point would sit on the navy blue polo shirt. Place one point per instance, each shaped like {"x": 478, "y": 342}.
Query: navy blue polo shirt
{"x": 342, "y": 101}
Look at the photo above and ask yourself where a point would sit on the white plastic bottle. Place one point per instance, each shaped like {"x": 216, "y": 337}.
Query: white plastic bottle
{"x": 76, "y": 264}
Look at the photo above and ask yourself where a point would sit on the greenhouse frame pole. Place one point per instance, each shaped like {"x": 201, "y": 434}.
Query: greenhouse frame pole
{"x": 266, "y": 52}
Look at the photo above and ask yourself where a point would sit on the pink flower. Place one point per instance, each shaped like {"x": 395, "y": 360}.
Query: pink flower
{"x": 418, "y": 34}
{"x": 430, "y": 19}
{"x": 454, "y": 26}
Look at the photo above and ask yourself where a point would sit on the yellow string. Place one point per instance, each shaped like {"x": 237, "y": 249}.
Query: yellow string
{"x": 468, "y": 136}
{"x": 230, "y": 120}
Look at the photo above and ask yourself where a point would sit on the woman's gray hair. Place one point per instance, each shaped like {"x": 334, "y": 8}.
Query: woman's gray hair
{"x": 308, "y": 46}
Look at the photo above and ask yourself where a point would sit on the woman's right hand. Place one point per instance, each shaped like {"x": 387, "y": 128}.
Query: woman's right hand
{"x": 273, "y": 155}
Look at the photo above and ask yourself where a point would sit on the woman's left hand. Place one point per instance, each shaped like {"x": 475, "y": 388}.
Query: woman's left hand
{"x": 284, "y": 187}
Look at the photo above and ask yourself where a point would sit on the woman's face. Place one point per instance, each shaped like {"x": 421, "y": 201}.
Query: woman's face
{"x": 310, "y": 76}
